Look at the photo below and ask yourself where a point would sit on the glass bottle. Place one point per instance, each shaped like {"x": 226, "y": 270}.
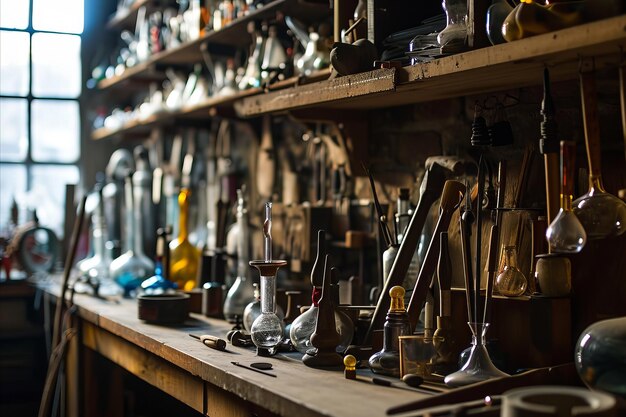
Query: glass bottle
{"x": 511, "y": 282}
{"x": 241, "y": 293}
{"x": 479, "y": 366}
{"x": 566, "y": 234}
{"x": 387, "y": 361}
{"x": 158, "y": 283}
{"x": 96, "y": 268}
{"x": 453, "y": 35}
{"x": 132, "y": 267}
{"x": 184, "y": 257}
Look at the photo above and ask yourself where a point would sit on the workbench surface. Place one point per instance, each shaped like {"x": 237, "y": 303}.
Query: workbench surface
{"x": 205, "y": 379}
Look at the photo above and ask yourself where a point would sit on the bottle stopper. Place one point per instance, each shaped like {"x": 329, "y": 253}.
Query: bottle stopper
{"x": 349, "y": 362}
{"x": 397, "y": 299}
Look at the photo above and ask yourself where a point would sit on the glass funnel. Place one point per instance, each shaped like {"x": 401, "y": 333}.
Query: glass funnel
{"x": 566, "y": 234}
{"x": 510, "y": 282}
{"x": 479, "y": 366}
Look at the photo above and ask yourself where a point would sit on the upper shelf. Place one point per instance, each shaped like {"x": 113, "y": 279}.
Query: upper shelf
{"x": 511, "y": 65}
{"x": 125, "y": 19}
{"x": 233, "y": 35}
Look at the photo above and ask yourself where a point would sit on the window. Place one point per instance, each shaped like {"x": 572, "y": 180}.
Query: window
{"x": 40, "y": 83}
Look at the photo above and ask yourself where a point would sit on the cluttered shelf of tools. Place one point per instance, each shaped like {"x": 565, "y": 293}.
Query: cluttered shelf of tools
{"x": 198, "y": 112}
{"x": 194, "y": 374}
{"x": 512, "y": 65}
{"x": 233, "y": 35}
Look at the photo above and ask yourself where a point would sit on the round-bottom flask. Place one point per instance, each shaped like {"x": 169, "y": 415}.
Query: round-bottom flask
{"x": 253, "y": 310}
{"x": 511, "y": 282}
{"x": 267, "y": 329}
{"x": 304, "y": 325}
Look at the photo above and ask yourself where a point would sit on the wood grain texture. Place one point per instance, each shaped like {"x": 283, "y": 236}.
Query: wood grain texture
{"x": 204, "y": 378}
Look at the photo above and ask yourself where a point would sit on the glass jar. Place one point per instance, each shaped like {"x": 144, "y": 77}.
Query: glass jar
{"x": 454, "y": 33}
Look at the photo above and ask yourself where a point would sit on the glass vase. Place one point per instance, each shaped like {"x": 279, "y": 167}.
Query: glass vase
{"x": 479, "y": 366}
{"x": 511, "y": 282}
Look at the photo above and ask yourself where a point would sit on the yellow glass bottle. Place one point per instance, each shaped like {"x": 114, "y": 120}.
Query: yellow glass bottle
{"x": 184, "y": 257}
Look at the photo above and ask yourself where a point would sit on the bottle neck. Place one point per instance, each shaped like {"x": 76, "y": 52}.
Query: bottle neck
{"x": 183, "y": 212}
{"x": 511, "y": 257}
{"x": 316, "y": 295}
{"x": 268, "y": 294}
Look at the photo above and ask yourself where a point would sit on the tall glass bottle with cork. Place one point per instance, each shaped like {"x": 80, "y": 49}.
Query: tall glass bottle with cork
{"x": 184, "y": 257}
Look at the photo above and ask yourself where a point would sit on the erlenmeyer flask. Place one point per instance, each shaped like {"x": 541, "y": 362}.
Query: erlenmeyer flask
{"x": 566, "y": 234}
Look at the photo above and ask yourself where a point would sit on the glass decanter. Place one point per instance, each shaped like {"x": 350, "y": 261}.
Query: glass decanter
{"x": 132, "y": 267}
{"x": 510, "y": 282}
{"x": 184, "y": 257}
{"x": 566, "y": 234}
{"x": 479, "y": 366}
{"x": 267, "y": 329}
{"x": 241, "y": 293}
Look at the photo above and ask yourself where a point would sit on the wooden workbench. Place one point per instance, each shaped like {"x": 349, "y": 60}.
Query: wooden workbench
{"x": 203, "y": 378}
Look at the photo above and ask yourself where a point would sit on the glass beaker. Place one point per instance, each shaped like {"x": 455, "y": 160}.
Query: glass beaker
{"x": 511, "y": 282}
{"x": 479, "y": 366}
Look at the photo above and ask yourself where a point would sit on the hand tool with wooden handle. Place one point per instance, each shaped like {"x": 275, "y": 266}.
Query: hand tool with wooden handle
{"x": 213, "y": 342}
{"x": 432, "y": 185}
{"x": 452, "y": 195}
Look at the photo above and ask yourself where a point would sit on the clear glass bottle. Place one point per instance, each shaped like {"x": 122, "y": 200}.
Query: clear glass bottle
{"x": 510, "y": 282}
{"x": 158, "y": 283}
{"x": 453, "y": 35}
{"x": 479, "y": 366}
{"x": 241, "y": 293}
{"x": 132, "y": 267}
{"x": 184, "y": 257}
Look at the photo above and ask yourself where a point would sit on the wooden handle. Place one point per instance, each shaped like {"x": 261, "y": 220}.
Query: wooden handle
{"x": 213, "y": 342}
{"x": 622, "y": 100}
{"x": 568, "y": 160}
{"x": 590, "y": 118}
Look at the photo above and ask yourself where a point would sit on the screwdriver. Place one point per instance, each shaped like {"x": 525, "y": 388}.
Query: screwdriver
{"x": 213, "y": 342}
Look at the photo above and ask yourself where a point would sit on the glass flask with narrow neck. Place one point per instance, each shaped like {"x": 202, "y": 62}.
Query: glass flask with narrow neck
{"x": 184, "y": 257}
{"x": 132, "y": 267}
{"x": 241, "y": 293}
{"x": 253, "y": 310}
{"x": 510, "y": 282}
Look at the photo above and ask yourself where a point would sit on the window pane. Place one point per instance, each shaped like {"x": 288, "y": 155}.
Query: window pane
{"x": 13, "y": 134}
{"x": 56, "y": 65}
{"x": 13, "y": 185}
{"x": 55, "y": 131}
{"x": 14, "y": 53}
{"x": 48, "y": 193}
{"x": 14, "y": 14}
{"x": 58, "y": 15}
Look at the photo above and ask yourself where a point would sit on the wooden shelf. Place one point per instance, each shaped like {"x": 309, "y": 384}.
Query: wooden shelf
{"x": 512, "y": 65}
{"x": 126, "y": 19}
{"x": 198, "y": 112}
{"x": 234, "y": 35}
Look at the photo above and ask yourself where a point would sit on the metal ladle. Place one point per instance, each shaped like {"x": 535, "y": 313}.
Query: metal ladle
{"x": 602, "y": 214}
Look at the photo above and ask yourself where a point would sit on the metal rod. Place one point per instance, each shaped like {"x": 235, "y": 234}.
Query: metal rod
{"x": 267, "y": 232}
{"x": 241, "y": 365}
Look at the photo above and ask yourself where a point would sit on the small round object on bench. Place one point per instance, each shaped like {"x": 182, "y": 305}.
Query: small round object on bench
{"x": 265, "y": 366}
{"x": 163, "y": 308}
